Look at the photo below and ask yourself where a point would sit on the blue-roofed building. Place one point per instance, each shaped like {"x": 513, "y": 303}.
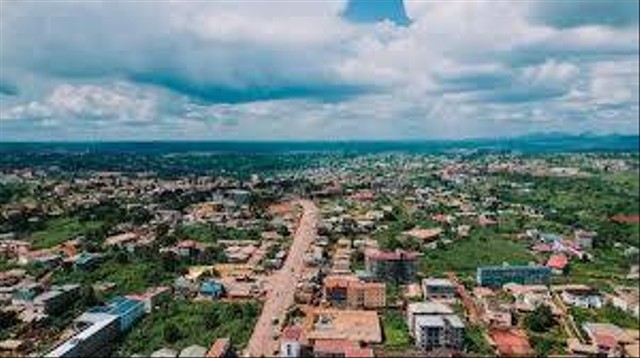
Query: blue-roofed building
{"x": 211, "y": 289}
{"x": 497, "y": 276}
{"x": 127, "y": 310}
{"x": 86, "y": 261}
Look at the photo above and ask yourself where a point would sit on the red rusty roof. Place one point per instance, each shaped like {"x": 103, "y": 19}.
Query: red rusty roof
{"x": 558, "y": 262}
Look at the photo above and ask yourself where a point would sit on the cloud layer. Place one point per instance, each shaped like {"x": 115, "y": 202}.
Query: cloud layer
{"x": 303, "y": 70}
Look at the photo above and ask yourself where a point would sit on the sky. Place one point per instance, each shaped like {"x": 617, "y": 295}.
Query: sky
{"x": 316, "y": 70}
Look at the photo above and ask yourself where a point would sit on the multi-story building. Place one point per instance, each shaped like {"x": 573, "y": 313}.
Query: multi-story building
{"x": 497, "y": 276}
{"x": 352, "y": 292}
{"x": 95, "y": 333}
{"x": 57, "y": 298}
{"x": 435, "y": 326}
{"x": 438, "y": 288}
{"x": 397, "y": 266}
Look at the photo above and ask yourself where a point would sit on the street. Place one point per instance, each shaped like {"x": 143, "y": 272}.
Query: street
{"x": 282, "y": 285}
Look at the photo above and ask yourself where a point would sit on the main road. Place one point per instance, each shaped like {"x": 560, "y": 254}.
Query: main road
{"x": 282, "y": 285}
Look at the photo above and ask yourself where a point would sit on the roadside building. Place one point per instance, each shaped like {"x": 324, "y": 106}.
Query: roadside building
{"x": 497, "y": 276}
{"x": 94, "y": 334}
{"x": 438, "y": 288}
{"x": 397, "y": 266}
{"x": 351, "y": 292}
{"x": 434, "y": 326}
{"x": 290, "y": 342}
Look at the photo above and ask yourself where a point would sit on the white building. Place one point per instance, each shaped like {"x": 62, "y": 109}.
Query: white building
{"x": 434, "y": 326}
{"x": 290, "y": 342}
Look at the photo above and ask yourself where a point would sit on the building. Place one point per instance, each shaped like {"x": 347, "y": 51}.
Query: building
{"x": 397, "y": 266}
{"x": 94, "y": 334}
{"x": 353, "y": 325}
{"x": 212, "y": 289}
{"x": 349, "y": 291}
{"x": 558, "y": 263}
{"x": 438, "y": 288}
{"x": 497, "y": 276}
{"x": 626, "y": 299}
{"x": 585, "y": 239}
{"x": 153, "y": 297}
{"x": 434, "y": 326}
{"x": 193, "y": 351}
{"x": 127, "y": 311}
{"x": 57, "y": 299}
{"x": 510, "y": 342}
{"x": 290, "y": 342}
{"x": 581, "y": 296}
{"x": 606, "y": 337}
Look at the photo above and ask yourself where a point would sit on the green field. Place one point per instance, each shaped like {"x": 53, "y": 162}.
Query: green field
{"x": 185, "y": 323}
{"x": 480, "y": 249}
{"x": 59, "y": 230}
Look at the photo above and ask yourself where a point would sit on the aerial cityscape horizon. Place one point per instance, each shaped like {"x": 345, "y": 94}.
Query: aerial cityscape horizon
{"x": 319, "y": 178}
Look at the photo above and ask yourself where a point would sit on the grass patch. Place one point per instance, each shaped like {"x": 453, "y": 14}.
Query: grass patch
{"x": 59, "y": 230}
{"x": 396, "y": 332}
{"x": 480, "y": 249}
{"x": 606, "y": 314}
{"x": 184, "y": 323}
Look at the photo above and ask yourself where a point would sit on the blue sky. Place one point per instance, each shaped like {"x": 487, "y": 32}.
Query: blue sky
{"x": 330, "y": 69}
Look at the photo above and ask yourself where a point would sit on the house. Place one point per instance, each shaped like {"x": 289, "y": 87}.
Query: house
{"x": 153, "y": 297}
{"x": 164, "y": 353}
{"x": 290, "y": 345}
{"x": 85, "y": 261}
{"x": 497, "y": 276}
{"x": 558, "y": 263}
{"x": 398, "y": 266}
{"x": 510, "y": 342}
{"x": 212, "y": 289}
{"x": 425, "y": 235}
{"x": 626, "y": 299}
{"x": 584, "y": 239}
{"x": 57, "y": 299}
{"x": 350, "y": 291}
{"x": 438, "y": 288}
{"x": 580, "y": 295}
{"x": 434, "y": 326}
{"x": 606, "y": 337}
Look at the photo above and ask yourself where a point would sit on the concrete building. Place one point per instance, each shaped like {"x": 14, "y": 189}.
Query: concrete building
{"x": 396, "y": 266}
{"x": 57, "y": 299}
{"x": 127, "y": 311}
{"x": 438, "y": 288}
{"x": 290, "y": 342}
{"x": 349, "y": 291}
{"x": 434, "y": 326}
{"x": 95, "y": 333}
{"x": 497, "y": 276}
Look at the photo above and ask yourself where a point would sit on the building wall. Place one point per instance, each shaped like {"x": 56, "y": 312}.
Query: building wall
{"x": 524, "y": 275}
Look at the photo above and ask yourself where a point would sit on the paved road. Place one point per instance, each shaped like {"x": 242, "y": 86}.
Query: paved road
{"x": 282, "y": 284}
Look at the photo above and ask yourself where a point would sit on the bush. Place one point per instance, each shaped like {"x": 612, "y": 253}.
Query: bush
{"x": 540, "y": 320}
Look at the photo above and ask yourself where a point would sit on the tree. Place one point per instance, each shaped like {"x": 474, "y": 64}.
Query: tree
{"x": 171, "y": 333}
{"x": 541, "y": 319}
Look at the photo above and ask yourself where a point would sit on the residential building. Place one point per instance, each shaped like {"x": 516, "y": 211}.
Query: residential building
{"x": 581, "y": 296}
{"x": 497, "y": 276}
{"x": 434, "y": 326}
{"x": 212, "y": 289}
{"x": 57, "y": 299}
{"x": 585, "y": 239}
{"x": 349, "y": 291}
{"x": 438, "y": 288}
{"x": 290, "y": 345}
{"x": 397, "y": 266}
{"x": 558, "y": 263}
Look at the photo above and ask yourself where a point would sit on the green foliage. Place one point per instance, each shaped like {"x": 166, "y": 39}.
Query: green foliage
{"x": 59, "y": 230}
{"x": 475, "y": 341}
{"x": 480, "y": 249}
{"x": 540, "y": 320}
{"x": 183, "y": 323}
{"x": 396, "y": 333}
{"x": 606, "y": 314}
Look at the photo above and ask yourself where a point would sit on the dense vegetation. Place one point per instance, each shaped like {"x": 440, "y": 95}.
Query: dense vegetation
{"x": 181, "y": 323}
